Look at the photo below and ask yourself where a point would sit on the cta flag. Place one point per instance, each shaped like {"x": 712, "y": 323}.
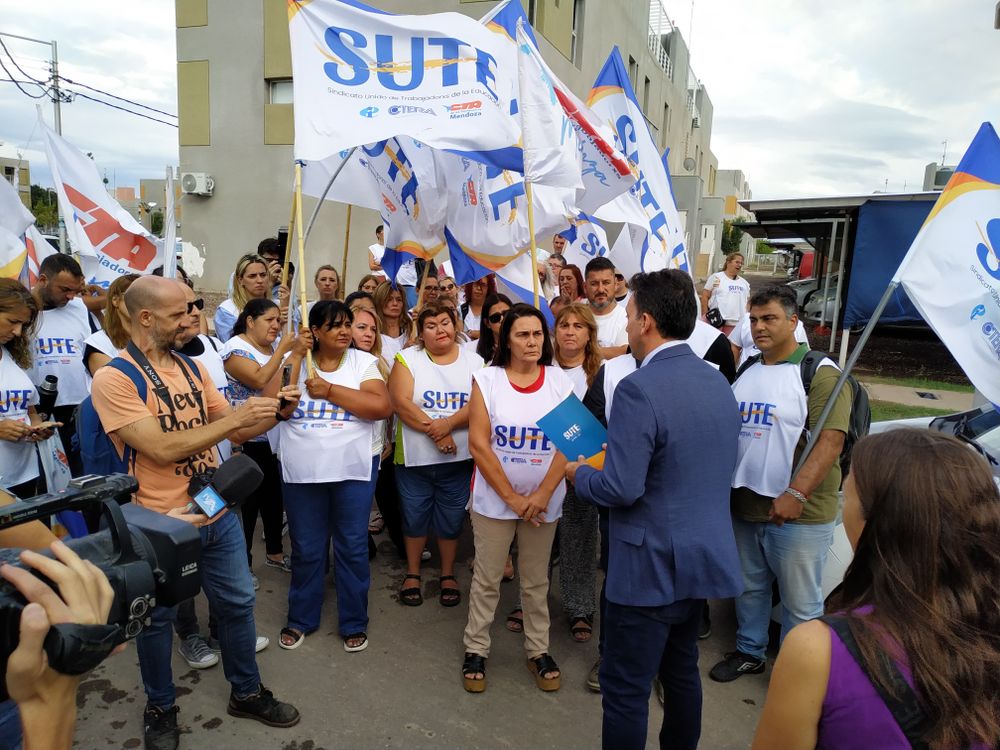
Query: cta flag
{"x": 38, "y": 249}
{"x": 363, "y": 76}
{"x": 649, "y": 206}
{"x": 110, "y": 242}
{"x": 585, "y": 240}
{"x": 952, "y": 270}
{"x": 14, "y": 220}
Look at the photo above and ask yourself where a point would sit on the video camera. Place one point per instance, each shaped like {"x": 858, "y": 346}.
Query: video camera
{"x": 150, "y": 559}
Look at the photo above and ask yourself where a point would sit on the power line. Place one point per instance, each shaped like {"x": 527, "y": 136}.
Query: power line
{"x": 119, "y": 98}
{"x": 19, "y": 68}
{"x": 123, "y": 109}
{"x": 10, "y": 79}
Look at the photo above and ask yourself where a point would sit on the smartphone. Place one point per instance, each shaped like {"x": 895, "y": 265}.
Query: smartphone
{"x": 209, "y": 502}
{"x": 286, "y": 379}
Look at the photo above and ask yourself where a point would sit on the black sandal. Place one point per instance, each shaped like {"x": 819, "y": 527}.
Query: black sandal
{"x": 581, "y": 628}
{"x": 542, "y": 665}
{"x": 474, "y": 664}
{"x": 450, "y": 597}
{"x": 411, "y": 597}
{"x": 514, "y": 623}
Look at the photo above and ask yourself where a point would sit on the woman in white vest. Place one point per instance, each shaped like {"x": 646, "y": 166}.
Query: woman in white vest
{"x": 19, "y": 422}
{"x": 251, "y": 280}
{"x": 518, "y": 489}
{"x": 727, "y": 292}
{"x": 329, "y": 473}
{"x": 101, "y": 347}
{"x": 430, "y": 387}
{"x": 392, "y": 317}
{"x": 252, "y": 361}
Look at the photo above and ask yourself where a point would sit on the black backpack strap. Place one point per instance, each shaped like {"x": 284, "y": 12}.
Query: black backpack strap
{"x": 808, "y": 366}
{"x": 905, "y": 709}
{"x": 747, "y": 365}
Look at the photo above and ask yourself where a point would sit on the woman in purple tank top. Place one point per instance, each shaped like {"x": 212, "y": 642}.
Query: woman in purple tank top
{"x": 922, "y": 513}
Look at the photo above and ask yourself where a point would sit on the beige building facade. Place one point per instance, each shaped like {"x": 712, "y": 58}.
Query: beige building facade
{"x": 18, "y": 174}
{"x": 236, "y": 122}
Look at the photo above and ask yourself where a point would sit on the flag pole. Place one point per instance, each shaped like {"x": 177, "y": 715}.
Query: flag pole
{"x": 288, "y": 256}
{"x": 824, "y": 415}
{"x": 319, "y": 202}
{"x": 302, "y": 257}
{"x": 347, "y": 240}
{"x": 531, "y": 231}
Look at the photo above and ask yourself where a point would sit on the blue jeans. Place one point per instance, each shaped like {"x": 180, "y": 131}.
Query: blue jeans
{"x": 316, "y": 512}
{"x": 643, "y": 643}
{"x": 435, "y": 497}
{"x": 225, "y": 579}
{"x": 793, "y": 555}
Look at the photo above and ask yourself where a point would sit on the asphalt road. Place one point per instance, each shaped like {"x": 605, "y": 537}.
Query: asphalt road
{"x": 405, "y": 690}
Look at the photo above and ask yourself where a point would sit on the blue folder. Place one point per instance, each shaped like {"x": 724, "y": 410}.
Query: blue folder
{"x": 575, "y": 431}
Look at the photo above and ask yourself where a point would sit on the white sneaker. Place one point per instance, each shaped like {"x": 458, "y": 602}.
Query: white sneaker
{"x": 197, "y": 653}
{"x": 262, "y": 642}
{"x": 425, "y": 555}
{"x": 255, "y": 580}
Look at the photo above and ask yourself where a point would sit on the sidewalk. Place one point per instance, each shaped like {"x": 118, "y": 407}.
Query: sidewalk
{"x": 910, "y": 396}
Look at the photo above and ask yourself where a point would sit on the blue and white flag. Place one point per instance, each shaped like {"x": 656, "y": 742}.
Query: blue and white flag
{"x": 952, "y": 270}
{"x": 363, "y": 76}
{"x": 656, "y": 237}
{"x": 585, "y": 240}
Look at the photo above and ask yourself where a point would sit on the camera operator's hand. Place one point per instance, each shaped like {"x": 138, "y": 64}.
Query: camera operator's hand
{"x": 255, "y": 410}
{"x": 13, "y": 430}
{"x": 46, "y": 698}
{"x": 189, "y": 514}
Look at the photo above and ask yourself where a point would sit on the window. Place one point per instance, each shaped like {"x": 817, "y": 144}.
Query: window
{"x": 633, "y": 72}
{"x": 280, "y": 91}
{"x": 645, "y": 96}
{"x": 8, "y": 174}
{"x": 574, "y": 48}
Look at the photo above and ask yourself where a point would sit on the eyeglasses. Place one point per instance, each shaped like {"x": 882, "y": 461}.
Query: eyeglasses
{"x": 198, "y": 303}
{"x": 497, "y": 317}
{"x": 447, "y": 288}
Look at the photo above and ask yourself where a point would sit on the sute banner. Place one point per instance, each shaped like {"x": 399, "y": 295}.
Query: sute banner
{"x": 109, "y": 241}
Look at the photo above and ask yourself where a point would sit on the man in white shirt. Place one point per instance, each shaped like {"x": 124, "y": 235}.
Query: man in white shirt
{"x": 599, "y": 286}
{"x": 375, "y": 253}
{"x": 64, "y": 323}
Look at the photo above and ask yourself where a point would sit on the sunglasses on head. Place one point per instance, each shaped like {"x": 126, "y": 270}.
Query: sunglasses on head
{"x": 198, "y": 303}
{"x": 447, "y": 287}
{"x": 497, "y": 317}
{"x": 619, "y": 277}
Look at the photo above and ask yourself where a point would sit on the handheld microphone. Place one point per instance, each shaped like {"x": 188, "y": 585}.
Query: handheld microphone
{"x": 225, "y": 487}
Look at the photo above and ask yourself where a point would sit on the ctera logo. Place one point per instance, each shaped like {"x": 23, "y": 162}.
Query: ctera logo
{"x": 369, "y": 112}
{"x": 401, "y": 109}
{"x": 977, "y": 312}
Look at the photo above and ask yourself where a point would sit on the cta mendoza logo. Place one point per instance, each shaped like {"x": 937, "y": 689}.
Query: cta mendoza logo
{"x": 469, "y": 195}
{"x": 464, "y": 109}
{"x": 369, "y": 112}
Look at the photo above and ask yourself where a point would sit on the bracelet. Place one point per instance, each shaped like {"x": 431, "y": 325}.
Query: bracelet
{"x": 800, "y": 496}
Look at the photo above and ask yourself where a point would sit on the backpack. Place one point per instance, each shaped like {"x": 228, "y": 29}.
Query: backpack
{"x": 97, "y": 452}
{"x": 861, "y": 411}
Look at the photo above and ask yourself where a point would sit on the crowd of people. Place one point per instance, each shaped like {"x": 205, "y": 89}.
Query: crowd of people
{"x": 413, "y": 407}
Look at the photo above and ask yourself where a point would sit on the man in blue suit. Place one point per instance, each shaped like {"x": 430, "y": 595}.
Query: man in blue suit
{"x": 666, "y": 482}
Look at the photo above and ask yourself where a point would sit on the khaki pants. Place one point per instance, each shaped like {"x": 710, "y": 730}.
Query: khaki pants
{"x": 534, "y": 546}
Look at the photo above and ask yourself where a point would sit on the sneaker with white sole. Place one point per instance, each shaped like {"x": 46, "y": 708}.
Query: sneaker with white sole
{"x": 284, "y": 564}
{"x": 254, "y": 580}
{"x": 736, "y": 664}
{"x": 197, "y": 654}
{"x": 261, "y": 643}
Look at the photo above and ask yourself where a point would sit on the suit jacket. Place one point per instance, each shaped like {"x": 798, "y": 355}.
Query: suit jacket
{"x": 672, "y": 441}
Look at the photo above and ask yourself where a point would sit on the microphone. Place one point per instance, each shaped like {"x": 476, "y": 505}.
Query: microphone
{"x": 236, "y": 478}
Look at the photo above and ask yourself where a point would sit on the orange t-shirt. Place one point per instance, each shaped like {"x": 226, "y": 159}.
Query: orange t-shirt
{"x": 116, "y": 400}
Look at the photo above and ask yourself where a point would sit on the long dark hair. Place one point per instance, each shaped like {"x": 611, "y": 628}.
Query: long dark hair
{"x": 253, "y": 309}
{"x": 927, "y": 564}
{"x": 13, "y": 296}
{"x": 522, "y": 310}
{"x": 487, "y": 345}
{"x": 326, "y": 314}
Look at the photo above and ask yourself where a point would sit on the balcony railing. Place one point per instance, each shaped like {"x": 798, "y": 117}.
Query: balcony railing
{"x": 659, "y": 26}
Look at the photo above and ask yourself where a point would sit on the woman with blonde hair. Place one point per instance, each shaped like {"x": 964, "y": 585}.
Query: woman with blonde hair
{"x": 327, "y": 282}
{"x": 390, "y": 306}
{"x": 251, "y": 280}
{"x": 101, "y": 347}
{"x": 727, "y": 292}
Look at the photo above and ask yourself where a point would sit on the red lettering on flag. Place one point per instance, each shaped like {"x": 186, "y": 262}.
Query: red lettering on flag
{"x": 108, "y": 236}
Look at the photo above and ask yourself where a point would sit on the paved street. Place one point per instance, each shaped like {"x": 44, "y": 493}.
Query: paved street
{"x": 405, "y": 690}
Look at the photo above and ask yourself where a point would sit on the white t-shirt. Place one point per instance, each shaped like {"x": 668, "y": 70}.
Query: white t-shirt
{"x": 102, "y": 343}
{"x": 471, "y": 321}
{"x": 439, "y": 391}
{"x": 728, "y": 295}
{"x": 323, "y": 442}
{"x": 377, "y": 252}
{"x": 18, "y": 462}
{"x": 742, "y": 338}
{"x": 407, "y": 274}
{"x": 579, "y": 378}
{"x": 391, "y": 346}
{"x": 236, "y": 392}
{"x": 211, "y": 360}
{"x": 519, "y": 444}
{"x": 611, "y": 327}
{"x": 702, "y": 338}
{"x": 59, "y": 339}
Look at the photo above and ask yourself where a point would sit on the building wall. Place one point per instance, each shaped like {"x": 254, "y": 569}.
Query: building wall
{"x": 236, "y": 123}
{"x": 9, "y": 168}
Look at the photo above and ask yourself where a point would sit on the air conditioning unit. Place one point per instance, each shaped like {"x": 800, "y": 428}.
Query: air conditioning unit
{"x": 197, "y": 183}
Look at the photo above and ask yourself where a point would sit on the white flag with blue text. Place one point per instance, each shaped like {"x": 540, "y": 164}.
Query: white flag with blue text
{"x": 951, "y": 272}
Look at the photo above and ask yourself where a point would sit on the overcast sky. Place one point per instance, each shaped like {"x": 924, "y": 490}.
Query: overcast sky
{"x": 810, "y": 98}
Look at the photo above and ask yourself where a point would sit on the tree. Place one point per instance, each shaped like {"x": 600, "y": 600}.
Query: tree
{"x": 732, "y": 237}
{"x": 156, "y": 223}
{"x": 43, "y": 206}
{"x": 763, "y": 248}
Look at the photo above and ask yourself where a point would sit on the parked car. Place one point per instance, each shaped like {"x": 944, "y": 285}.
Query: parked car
{"x": 817, "y": 302}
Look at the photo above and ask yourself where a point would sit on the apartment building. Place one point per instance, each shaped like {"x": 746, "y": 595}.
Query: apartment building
{"x": 16, "y": 171}
{"x": 236, "y": 126}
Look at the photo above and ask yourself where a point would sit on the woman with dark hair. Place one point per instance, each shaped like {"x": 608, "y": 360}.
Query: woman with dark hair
{"x": 917, "y": 616}
{"x": 495, "y": 307}
{"x": 476, "y": 294}
{"x": 252, "y": 361}
{"x": 329, "y": 475}
{"x": 101, "y": 347}
{"x": 571, "y": 283}
{"x": 517, "y": 490}
{"x": 20, "y": 426}
{"x": 430, "y": 387}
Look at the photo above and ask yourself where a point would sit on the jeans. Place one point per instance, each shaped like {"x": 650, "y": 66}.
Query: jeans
{"x": 10, "y": 726}
{"x": 793, "y": 554}
{"x": 643, "y": 643}
{"x": 225, "y": 578}
{"x": 434, "y": 496}
{"x": 316, "y": 512}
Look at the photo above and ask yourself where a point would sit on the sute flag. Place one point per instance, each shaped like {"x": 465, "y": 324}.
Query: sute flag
{"x": 14, "y": 220}
{"x": 110, "y": 242}
{"x": 363, "y": 76}
{"x": 649, "y": 206}
{"x": 952, "y": 270}
{"x": 585, "y": 240}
